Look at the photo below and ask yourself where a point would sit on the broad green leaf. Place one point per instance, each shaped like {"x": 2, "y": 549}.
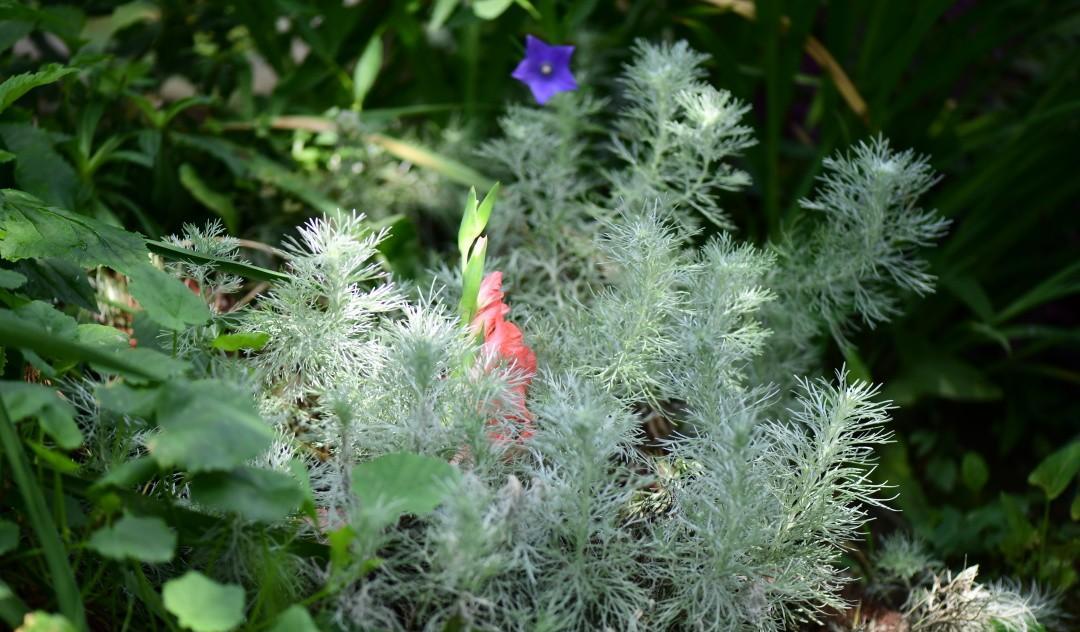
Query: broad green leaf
{"x": 9, "y": 536}
{"x": 202, "y": 604}
{"x": 128, "y": 474}
{"x": 32, "y": 229}
{"x": 295, "y": 618}
{"x": 235, "y": 342}
{"x": 55, "y": 279}
{"x": 208, "y": 425}
{"x": 217, "y": 202}
{"x": 102, "y": 336}
{"x": 41, "y": 621}
{"x": 55, "y": 414}
{"x": 1055, "y": 471}
{"x": 52, "y": 459}
{"x": 974, "y": 471}
{"x": 123, "y": 398}
{"x": 367, "y": 69}
{"x": 17, "y": 85}
{"x": 12, "y": 609}
{"x": 141, "y": 364}
{"x": 170, "y": 303}
{"x": 255, "y": 494}
{"x": 39, "y": 168}
{"x": 403, "y": 483}
{"x": 147, "y": 540}
{"x": 6, "y": 156}
{"x": 9, "y": 279}
{"x": 99, "y": 30}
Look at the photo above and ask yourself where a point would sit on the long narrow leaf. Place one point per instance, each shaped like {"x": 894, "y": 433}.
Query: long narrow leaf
{"x": 67, "y": 591}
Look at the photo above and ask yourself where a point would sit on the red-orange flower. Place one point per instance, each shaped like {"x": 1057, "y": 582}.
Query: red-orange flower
{"x": 504, "y": 340}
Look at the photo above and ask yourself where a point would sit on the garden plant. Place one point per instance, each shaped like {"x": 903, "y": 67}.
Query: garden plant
{"x": 298, "y": 334}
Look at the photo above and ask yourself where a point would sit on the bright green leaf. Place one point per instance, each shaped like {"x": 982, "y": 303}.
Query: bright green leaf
{"x": 367, "y": 69}
{"x": 235, "y": 342}
{"x": 403, "y": 483}
{"x": 144, "y": 539}
{"x": 171, "y": 304}
{"x": 1055, "y": 471}
{"x": 295, "y": 618}
{"x": 202, "y": 604}
{"x": 208, "y": 425}
{"x": 255, "y": 494}
{"x": 17, "y": 85}
{"x": 41, "y": 621}
{"x": 490, "y": 9}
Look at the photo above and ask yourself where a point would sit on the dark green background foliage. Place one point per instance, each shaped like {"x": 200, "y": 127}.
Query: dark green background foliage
{"x": 148, "y": 115}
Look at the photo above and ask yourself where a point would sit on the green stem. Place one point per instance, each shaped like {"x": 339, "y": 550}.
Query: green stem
{"x": 67, "y": 590}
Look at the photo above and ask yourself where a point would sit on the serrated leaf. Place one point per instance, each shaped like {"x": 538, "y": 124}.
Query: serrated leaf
{"x": 1055, "y": 471}
{"x": 147, "y": 540}
{"x": 17, "y": 85}
{"x": 55, "y": 279}
{"x": 216, "y": 201}
{"x": 367, "y": 69}
{"x": 974, "y": 471}
{"x": 255, "y": 494}
{"x": 39, "y": 169}
{"x": 295, "y": 618}
{"x": 403, "y": 483}
{"x": 208, "y": 425}
{"x": 9, "y": 536}
{"x": 235, "y": 342}
{"x": 32, "y": 229}
{"x": 10, "y": 280}
{"x": 202, "y": 604}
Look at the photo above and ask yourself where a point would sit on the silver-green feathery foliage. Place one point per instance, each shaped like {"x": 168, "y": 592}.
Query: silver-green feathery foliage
{"x": 662, "y": 487}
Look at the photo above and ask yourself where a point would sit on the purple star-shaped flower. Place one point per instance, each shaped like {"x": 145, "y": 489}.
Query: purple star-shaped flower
{"x": 545, "y": 69}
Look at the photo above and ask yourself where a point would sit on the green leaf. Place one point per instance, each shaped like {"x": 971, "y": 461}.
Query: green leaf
{"x": 102, "y": 336}
{"x": 974, "y": 471}
{"x": 1055, "y": 471}
{"x": 367, "y": 69}
{"x": 490, "y": 9}
{"x": 123, "y": 398}
{"x": 55, "y": 414}
{"x": 1074, "y": 508}
{"x": 255, "y": 494}
{"x": 441, "y": 13}
{"x": 41, "y": 621}
{"x": 171, "y": 304}
{"x": 147, "y": 540}
{"x": 202, "y": 604}
{"x": 40, "y": 518}
{"x": 424, "y": 157}
{"x": 208, "y": 425}
{"x": 471, "y": 279}
{"x": 55, "y": 279}
{"x": 217, "y": 202}
{"x": 18, "y": 85}
{"x": 295, "y": 618}
{"x": 235, "y": 342}
{"x": 10, "y": 280}
{"x": 39, "y": 169}
{"x": 32, "y": 229}
{"x": 12, "y": 609}
{"x": 9, "y": 536}
{"x": 52, "y": 459}
{"x": 128, "y": 474}
{"x": 175, "y": 253}
{"x": 403, "y": 483}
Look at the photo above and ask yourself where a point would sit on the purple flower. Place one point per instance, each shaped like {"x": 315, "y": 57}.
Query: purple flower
{"x": 545, "y": 69}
